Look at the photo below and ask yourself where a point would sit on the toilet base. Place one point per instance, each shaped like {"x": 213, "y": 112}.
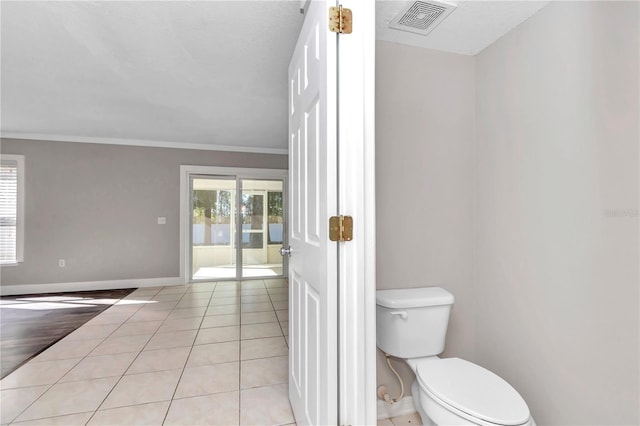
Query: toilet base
{"x": 415, "y": 391}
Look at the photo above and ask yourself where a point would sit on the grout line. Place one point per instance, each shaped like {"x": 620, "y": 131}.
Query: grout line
{"x": 163, "y": 322}
{"x": 164, "y": 419}
{"x": 69, "y": 370}
{"x": 124, "y": 373}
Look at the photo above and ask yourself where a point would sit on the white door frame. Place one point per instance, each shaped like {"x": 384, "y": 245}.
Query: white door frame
{"x": 356, "y": 188}
{"x": 185, "y": 219}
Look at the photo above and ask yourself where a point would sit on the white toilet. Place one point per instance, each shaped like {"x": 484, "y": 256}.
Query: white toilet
{"x": 412, "y": 324}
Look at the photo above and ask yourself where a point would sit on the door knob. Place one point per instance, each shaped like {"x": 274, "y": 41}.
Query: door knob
{"x": 285, "y": 251}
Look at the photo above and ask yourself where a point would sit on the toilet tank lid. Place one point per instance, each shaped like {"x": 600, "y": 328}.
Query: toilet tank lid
{"x": 413, "y": 297}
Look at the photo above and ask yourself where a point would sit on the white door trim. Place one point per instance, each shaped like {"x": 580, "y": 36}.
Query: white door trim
{"x": 357, "y": 325}
{"x": 185, "y": 220}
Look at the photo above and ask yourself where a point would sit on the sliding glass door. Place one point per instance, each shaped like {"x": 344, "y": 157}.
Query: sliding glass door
{"x": 213, "y": 253}
{"x": 237, "y": 227}
{"x": 261, "y": 214}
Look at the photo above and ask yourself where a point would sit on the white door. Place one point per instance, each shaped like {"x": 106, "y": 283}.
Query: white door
{"x": 313, "y": 353}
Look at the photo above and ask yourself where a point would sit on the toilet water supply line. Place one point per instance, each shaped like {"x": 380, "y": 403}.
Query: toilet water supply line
{"x": 387, "y": 398}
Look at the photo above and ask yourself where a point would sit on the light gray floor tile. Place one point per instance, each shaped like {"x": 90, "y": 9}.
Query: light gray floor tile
{"x": 79, "y": 419}
{"x": 109, "y": 318}
{"x": 213, "y": 353}
{"x": 264, "y": 371}
{"x": 214, "y": 409}
{"x": 141, "y": 388}
{"x": 225, "y": 293}
{"x": 258, "y": 317}
{"x": 218, "y": 335}
{"x": 245, "y": 285}
{"x": 279, "y": 305}
{"x": 14, "y": 401}
{"x": 95, "y": 367}
{"x": 178, "y": 289}
{"x": 174, "y": 339}
{"x": 279, "y": 297}
{"x": 283, "y": 315}
{"x": 275, "y": 283}
{"x": 38, "y": 373}
{"x": 151, "y": 343}
{"x": 253, "y": 292}
{"x": 160, "y": 360}
{"x": 92, "y": 332}
{"x": 180, "y": 324}
{"x": 198, "y": 287}
{"x": 223, "y": 309}
{"x": 227, "y": 286}
{"x": 144, "y": 414}
{"x": 265, "y": 405}
{"x": 255, "y": 299}
{"x": 159, "y": 305}
{"x": 255, "y": 331}
{"x": 285, "y": 327}
{"x": 189, "y": 295}
{"x": 409, "y": 419}
{"x": 220, "y": 301}
{"x": 256, "y": 307}
{"x": 197, "y": 312}
{"x": 137, "y": 328}
{"x": 193, "y": 303}
{"x": 273, "y": 291}
{"x": 118, "y": 345}
{"x": 167, "y": 297}
{"x": 220, "y": 321}
{"x": 70, "y": 398}
{"x": 150, "y": 315}
{"x": 208, "y": 379}
{"x": 66, "y": 349}
{"x": 262, "y": 348}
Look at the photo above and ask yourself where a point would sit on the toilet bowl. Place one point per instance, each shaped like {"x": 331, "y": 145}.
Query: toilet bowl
{"x": 412, "y": 324}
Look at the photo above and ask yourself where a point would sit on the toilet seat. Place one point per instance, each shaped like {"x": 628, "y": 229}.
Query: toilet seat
{"x": 472, "y": 391}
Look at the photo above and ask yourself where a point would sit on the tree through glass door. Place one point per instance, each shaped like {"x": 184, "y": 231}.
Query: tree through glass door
{"x": 236, "y": 237}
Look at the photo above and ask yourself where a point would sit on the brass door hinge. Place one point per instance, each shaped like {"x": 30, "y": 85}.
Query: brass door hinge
{"x": 341, "y": 228}
{"x": 340, "y": 20}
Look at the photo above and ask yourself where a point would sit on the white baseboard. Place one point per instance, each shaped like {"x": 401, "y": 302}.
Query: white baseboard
{"x": 401, "y": 408}
{"x": 9, "y": 290}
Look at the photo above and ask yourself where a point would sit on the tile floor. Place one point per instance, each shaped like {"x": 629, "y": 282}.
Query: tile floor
{"x": 206, "y": 353}
{"x": 29, "y": 324}
{"x": 409, "y": 419}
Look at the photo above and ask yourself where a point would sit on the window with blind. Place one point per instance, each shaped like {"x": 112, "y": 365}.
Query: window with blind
{"x": 11, "y": 208}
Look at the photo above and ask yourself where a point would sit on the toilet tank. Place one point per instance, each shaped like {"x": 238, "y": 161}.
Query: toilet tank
{"x": 412, "y": 322}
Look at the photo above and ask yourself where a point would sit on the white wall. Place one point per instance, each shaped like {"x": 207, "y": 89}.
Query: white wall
{"x": 424, "y": 139}
{"x": 556, "y": 277}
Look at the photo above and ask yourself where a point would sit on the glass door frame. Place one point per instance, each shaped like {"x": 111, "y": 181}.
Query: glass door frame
{"x": 233, "y": 241}
{"x": 187, "y": 173}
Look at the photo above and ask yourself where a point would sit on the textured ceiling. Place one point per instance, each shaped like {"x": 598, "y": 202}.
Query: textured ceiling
{"x": 471, "y": 27}
{"x": 199, "y": 74}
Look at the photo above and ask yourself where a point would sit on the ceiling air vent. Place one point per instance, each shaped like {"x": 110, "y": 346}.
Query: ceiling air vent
{"x": 422, "y": 17}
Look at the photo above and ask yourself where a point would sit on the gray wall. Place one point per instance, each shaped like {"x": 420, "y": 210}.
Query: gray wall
{"x": 424, "y": 146}
{"x": 512, "y": 179}
{"x": 556, "y": 276}
{"x": 97, "y": 206}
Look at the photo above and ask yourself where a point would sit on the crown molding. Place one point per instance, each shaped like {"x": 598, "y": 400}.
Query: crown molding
{"x": 141, "y": 142}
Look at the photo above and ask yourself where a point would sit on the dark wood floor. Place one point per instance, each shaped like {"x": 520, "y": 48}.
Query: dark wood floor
{"x": 42, "y": 321}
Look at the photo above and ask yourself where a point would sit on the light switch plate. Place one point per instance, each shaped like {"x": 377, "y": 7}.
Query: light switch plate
{"x": 162, "y": 221}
